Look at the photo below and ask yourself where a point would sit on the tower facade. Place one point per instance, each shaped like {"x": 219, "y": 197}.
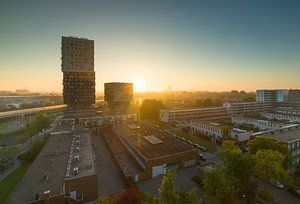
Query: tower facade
{"x": 78, "y": 72}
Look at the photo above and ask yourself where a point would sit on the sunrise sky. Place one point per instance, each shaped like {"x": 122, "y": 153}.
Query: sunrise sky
{"x": 199, "y": 45}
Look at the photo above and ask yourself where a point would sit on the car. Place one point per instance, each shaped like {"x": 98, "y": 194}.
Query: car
{"x": 196, "y": 145}
{"x": 201, "y": 156}
{"x": 202, "y": 148}
{"x": 190, "y": 142}
{"x": 276, "y": 183}
{"x": 294, "y": 191}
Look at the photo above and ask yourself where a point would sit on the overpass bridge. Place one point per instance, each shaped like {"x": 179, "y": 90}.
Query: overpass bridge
{"x": 29, "y": 111}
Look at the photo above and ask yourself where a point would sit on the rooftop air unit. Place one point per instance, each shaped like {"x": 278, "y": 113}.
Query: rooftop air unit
{"x": 75, "y": 171}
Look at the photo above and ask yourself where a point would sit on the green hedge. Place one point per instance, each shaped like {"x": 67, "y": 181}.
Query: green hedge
{"x": 32, "y": 153}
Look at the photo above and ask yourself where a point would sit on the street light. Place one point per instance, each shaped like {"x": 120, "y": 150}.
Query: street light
{"x": 244, "y": 197}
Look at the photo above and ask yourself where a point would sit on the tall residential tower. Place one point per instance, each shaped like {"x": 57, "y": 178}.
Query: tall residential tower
{"x": 78, "y": 72}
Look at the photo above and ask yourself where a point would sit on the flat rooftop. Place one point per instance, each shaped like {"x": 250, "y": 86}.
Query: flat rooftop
{"x": 169, "y": 145}
{"x": 195, "y": 109}
{"x": 81, "y": 156}
{"x": 287, "y": 135}
{"x": 46, "y": 173}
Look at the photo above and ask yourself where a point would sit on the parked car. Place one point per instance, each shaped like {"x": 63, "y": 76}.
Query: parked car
{"x": 201, "y": 156}
{"x": 196, "y": 145}
{"x": 294, "y": 191}
{"x": 190, "y": 142}
{"x": 202, "y": 148}
{"x": 276, "y": 183}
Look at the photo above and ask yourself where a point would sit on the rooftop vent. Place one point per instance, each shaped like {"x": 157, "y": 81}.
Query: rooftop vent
{"x": 76, "y": 158}
{"x": 77, "y": 149}
{"x": 75, "y": 171}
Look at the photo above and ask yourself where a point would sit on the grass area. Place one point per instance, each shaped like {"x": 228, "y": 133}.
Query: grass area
{"x": 265, "y": 196}
{"x": 3, "y": 125}
{"x": 163, "y": 126}
{"x": 8, "y": 184}
{"x": 197, "y": 140}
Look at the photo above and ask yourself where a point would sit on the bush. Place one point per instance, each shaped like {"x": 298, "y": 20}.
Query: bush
{"x": 265, "y": 196}
{"x": 30, "y": 155}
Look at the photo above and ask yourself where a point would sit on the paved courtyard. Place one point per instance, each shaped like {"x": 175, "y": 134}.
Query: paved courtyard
{"x": 110, "y": 178}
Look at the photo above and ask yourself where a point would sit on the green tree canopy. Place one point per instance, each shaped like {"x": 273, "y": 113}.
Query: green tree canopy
{"x": 268, "y": 164}
{"x": 238, "y": 165}
{"x": 219, "y": 185}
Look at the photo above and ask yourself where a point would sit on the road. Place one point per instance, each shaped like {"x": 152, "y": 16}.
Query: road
{"x": 281, "y": 196}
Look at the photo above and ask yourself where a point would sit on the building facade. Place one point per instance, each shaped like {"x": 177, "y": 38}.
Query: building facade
{"x": 207, "y": 128}
{"x": 174, "y": 115}
{"x": 260, "y": 124}
{"x": 78, "y": 72}
{"x": 247, "y": 107}
{"x": 294, "y": 96}
{"x": 272, "y": 96}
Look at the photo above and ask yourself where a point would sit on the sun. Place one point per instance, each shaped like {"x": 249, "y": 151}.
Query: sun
{"x": 139, "y": 85}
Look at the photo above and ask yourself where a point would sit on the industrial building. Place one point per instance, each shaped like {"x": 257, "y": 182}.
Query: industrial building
{"x": 63, "y": 172}
{"x": 269, "y": 96}
{"x": 78, "y": 72}
{"x": 154, "y": 152}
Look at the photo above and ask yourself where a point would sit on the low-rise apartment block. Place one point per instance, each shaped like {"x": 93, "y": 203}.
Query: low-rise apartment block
{"x": 173, "y": 115}
{"x": 260, "y": 124}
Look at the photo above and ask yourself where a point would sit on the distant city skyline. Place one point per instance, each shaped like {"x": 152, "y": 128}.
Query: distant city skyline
{"x": 199, "y": 45}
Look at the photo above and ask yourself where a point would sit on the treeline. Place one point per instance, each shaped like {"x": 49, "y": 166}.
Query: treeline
{"x": 267, "y": 159}
{"x": 150, "y": 109}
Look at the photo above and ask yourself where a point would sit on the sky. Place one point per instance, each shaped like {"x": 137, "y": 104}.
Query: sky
{"x": 188, "y": 45}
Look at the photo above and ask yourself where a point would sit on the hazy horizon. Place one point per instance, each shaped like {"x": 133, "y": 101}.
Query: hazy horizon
{"x": 195, "y": 45}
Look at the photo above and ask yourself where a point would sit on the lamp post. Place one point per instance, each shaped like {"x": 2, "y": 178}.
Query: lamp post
{"x": 244, "y": 197}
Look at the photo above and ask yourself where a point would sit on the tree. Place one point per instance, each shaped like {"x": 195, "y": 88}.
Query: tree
{"x": 130, "y": 196}
{"x": 168, "y": 194}
{"x": 238, "y": 165}
{"x": 267, "y": 143}
{"x": 228, "y": 145}
{"x": 268, "y": 164}
{"x": 219, "y": 185}
{"x": 207, "y": 102}
{"x": 225, "y": 132}
{"x": 167, "y": 191}
{"x": 39, "y": 123}
{"x": 150, "y": 109}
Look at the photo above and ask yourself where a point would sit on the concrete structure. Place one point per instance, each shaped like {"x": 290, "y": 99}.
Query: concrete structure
{"x": 154, "y": 151}
{"x": 78, "y": 72}
{"x": 294, "y": 96}
{"x": 269, "y": 96}
{"x": 287, "y": 108}
{"x": 261, "y": 124}
{"x": 247, "y": 107}
{"x": 241, "y": 136}
{"x": 63, "y": 172}
{"x": 174, "y": 115}
{"x": 207, "y": 128}
{"x": 283, "y": 117}
{"x": 29, "y": 111}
